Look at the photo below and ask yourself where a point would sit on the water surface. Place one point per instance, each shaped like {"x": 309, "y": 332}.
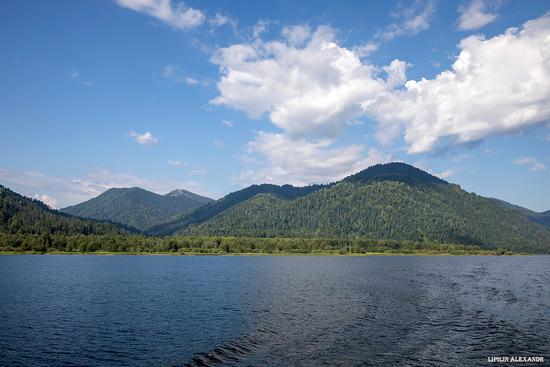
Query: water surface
{"x": 272, "y": 311}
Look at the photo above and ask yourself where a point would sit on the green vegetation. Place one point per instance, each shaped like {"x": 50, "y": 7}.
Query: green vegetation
{"x": 392, "y": 208}
{"x": 138, "y": 244}
{"x": 21, "y": 215}
{"x": 391, "y": 202}
{"x": 137, "y": 207}
{"x": 219, "y": 206}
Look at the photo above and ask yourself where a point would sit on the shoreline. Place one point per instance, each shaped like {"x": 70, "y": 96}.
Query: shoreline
{"x": 107, "y": 253}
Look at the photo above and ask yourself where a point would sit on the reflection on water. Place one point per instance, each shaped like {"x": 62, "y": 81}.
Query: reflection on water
{"x": 272, "y": 311}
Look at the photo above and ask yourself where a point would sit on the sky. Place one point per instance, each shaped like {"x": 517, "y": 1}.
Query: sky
{"x": 216, "y": 95}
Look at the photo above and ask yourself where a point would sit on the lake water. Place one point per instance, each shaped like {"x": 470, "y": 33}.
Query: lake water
{"x": 272, "y": 311}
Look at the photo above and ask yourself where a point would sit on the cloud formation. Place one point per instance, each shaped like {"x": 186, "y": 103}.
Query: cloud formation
{"x": 48, "y": 200}
{"x": 175, "y": 14}
{"x": 474, "y": 16}
{"x": 534, "y": 164}
{"x": 145, "y": 139}
{"x": 488, "y": 91}
{"x": 410, "y": 19}
{"x": 311, "y": 88}
{"x": 301, "y": 161}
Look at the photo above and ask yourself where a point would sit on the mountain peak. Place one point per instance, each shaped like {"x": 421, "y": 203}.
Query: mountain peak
{"x": 395, "y": 171}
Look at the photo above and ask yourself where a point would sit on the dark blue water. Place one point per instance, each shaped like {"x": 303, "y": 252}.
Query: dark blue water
{"x": 272, "y": 311}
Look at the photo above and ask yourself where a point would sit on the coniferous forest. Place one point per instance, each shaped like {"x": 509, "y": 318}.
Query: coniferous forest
{"x": 386, "y": 208}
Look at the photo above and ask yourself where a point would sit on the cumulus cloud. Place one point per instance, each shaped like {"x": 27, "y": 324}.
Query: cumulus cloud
{"x": 306, "y": 90}
{"x": 175, "y": 14}
{"x": 145, "y": 139}
{"x": 312, "y": 88}
{"x": 48, "y": 200}
{"x": 301, "y": 161}
{"x": 474, "y": 16}
{"x": 488, "y": 91}
{"x": 534, "y": 164}
{"x": 296, "y": 35}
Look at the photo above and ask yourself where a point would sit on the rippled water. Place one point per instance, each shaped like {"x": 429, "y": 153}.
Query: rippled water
{"x": 272, "y": 311}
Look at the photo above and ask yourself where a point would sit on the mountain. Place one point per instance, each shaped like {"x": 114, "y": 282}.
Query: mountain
{"x": 22, "y": 215}
{"x": 540, "y": 218}
{"x": 216, "y": 207}
{"x": 389, "y": 201}
{"x": 137, "y": 207}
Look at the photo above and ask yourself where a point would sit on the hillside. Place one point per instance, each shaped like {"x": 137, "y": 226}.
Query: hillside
{"x": 216, "y": 207}
{"x": 391, "y": 201}
{"x": 22, "y": 215}
{"x": 540, "y": 218}
{"x": 137, "y": 207}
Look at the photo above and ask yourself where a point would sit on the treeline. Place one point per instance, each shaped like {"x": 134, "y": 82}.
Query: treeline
{"x": 222, "y": 245}
{"x": 395, "y": 210}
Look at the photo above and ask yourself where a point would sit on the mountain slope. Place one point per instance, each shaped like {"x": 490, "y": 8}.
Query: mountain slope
{"x": 137, "y": 207}
{"x": 540, "y": 218}
{"x": 392, "y": 201}
{"x": 216, "y": 207}
{"x": 22, "y": 215}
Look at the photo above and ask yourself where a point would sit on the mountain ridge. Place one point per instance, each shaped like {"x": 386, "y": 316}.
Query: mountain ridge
{"x": 137, "y": 207}
{"x": 389, "y": 201}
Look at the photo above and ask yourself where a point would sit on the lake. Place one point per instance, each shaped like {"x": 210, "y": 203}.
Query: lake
{"x": 272, "y": 311}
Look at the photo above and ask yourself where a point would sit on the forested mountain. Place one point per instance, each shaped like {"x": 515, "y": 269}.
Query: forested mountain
{"x": 216, "y": 207}
{"x": 540, "y": 218}
{"x": 390, "y": 201}
{"x": 22, "y": 215}
{"x": 137, "y": 207}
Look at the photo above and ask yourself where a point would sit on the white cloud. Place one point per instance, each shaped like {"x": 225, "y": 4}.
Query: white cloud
{"x": 365, "y": 49}
{"x": 191, "y": 81}
{"x": 48, "y": 200}
{"x": 75, "y": 74}
{"x": 309, "y": 90}
{"x": 488, "y": 91}
{"x": 301, "y": 161}
{"x": 220, "y": 20}
{"x": 312, "y": 90}
{"x": 175, "y": 14}
{"x": 260, "y": 27}
{"x": 220, "y": 144}
{"x": 177, "y": 163}
{"x": 296, "y": 35}
{"x": 227, "y": 123}
{"x": 534, "y": 164}
{"x": 146, "y": 138}
{"x": 175, "y": 74}
{"x": 474, "y": 16}
{"x": 448, "y": 173}
{"x": 411, "y": 19}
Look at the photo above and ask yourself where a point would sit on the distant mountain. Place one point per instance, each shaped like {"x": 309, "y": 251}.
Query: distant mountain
{"x": 137, "y": 207}
{"x": 22, "y": 215}
{"x": 540, "y": 218}
{"x": 216, "y": 207}
{"x": 390, "y": 201}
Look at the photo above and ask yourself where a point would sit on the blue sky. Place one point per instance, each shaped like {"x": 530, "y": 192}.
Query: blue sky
{"x": 213, "y": 96}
